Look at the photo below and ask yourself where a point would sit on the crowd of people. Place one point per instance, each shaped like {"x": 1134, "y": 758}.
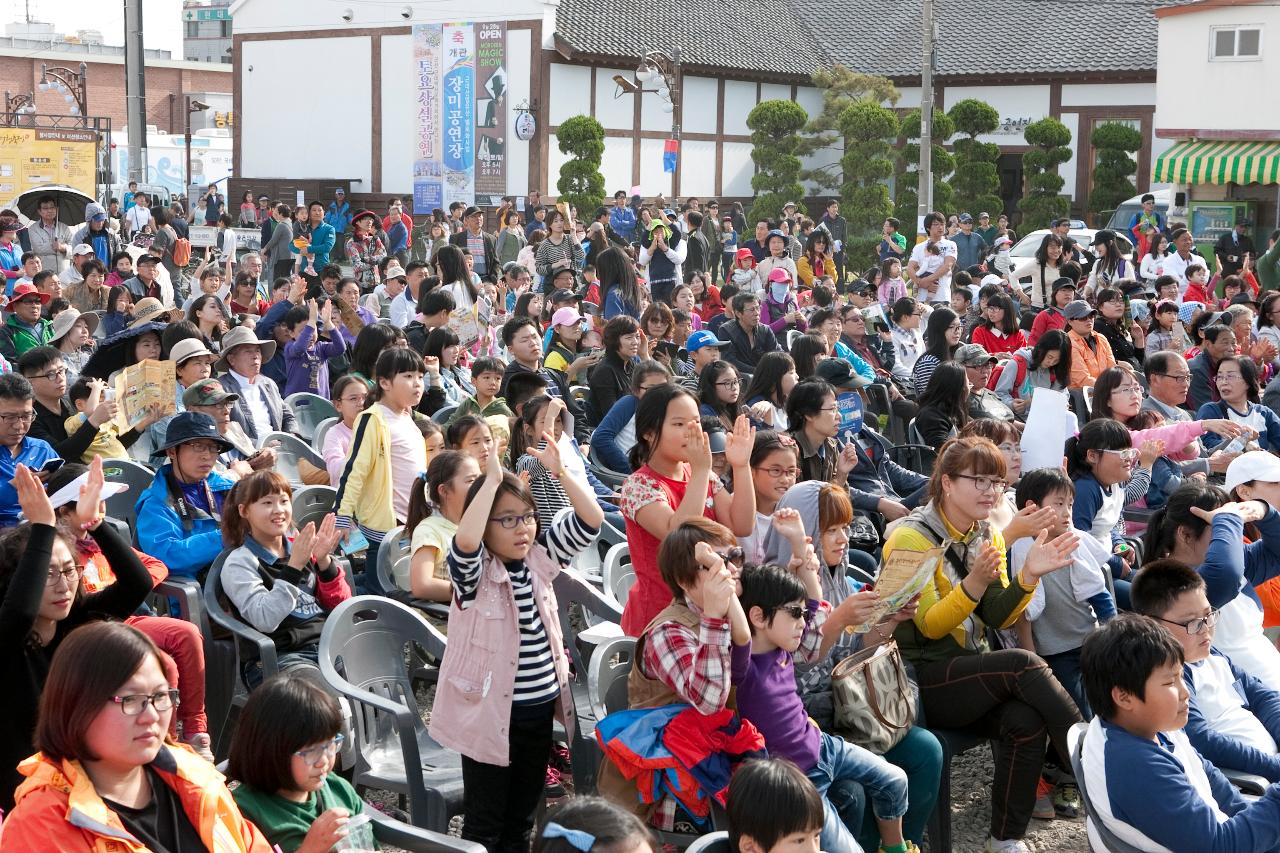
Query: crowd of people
{"x": 767, "y": 424}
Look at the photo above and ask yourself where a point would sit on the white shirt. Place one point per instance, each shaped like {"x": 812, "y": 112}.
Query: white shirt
{"x": 408, "y": 458}
{"x": 402, "y": 310}
{"x": 928, "y": 264}
{"x": 138, "y": 217}
{"x": 256, "y": 400}
{"x": 1222, "y": 705}
{"x": 1238, "y": 635}
{"x": 1176, "y": 266}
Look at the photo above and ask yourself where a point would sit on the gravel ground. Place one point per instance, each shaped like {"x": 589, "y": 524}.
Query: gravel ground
{"x": 971, "y": 812}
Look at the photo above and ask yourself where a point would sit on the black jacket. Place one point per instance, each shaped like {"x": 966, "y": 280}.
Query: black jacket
{"x": 743, "y": 352}
{"x": 609, "y": 381}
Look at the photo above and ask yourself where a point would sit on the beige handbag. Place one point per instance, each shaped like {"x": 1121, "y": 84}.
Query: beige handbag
{"x": 874, "y": 702}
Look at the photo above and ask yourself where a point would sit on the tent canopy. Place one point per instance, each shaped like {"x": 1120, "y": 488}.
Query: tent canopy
{"x": 1219, "y": 162}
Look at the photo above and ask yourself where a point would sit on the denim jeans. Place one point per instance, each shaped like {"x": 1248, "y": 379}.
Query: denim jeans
{"x": 1066, "y": 668}
{"x": 840, "y": 761}
{"x": 920, "y": 756}
{"x": 304, "y": 662}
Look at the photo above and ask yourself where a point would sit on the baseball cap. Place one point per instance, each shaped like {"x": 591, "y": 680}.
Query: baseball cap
{"x": 1078, "y": 310}
{"x": 394, "y": 270}
{"x": 1256, "y": 465}
{"x": 567, "y": 316}
{"x": 1063, "y": 282}
{"x": 1188, "y": 310}
{"x": 1102, "y": 236}
{"x": 702, "y": 338}
{"x": 1244, "y": 298}
{"x": 82, "y": 249}
{"x": 966, "y": 217}
{"x": 836, "y": 371}
{"x": 563, "y": 295}
{"x": 974, "y": 355}
{"x": 990, "y": 278}
{"x": 207, "y": 392}
{"x": 779, "y": 275}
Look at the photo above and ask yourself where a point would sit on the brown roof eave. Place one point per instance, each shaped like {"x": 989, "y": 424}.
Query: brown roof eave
{"x": 572, "y": 54}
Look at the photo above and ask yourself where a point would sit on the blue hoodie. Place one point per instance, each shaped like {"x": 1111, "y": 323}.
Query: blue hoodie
{"x": 162, "y": 534}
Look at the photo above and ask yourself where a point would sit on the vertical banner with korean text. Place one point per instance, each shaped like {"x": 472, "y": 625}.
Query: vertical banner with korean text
{"x": 491, "y": 113}
{"x": 428, "y": 170}
{"x": 459, "y": 120}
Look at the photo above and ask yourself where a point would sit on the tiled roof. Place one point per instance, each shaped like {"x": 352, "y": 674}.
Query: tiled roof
{"x": 738, "y": 34}
{"x": 874, "y": 36}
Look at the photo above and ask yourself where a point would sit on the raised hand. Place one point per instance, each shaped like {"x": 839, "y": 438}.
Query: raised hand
{"x": 548, "y": 455}
{"x": 699, "y": 447}
{"x": 718, "y": 584}
{"x": 1050, "y": 555}
{"x": 847, "y": 461}
{"x": 1028, "y": 521}
{"x": 738, "y": 444}
{"x": 788, "y": 524}
{"x": 326, "y": 539}
{"x": 493, "y": 465}
{"x": 88, "y": 508}
{"x": 433, "y": 365}
{"x": 984, "y": 571}
{"x": 32, "y": 497}
{"x": 1149, "y": 452}
{"x": 1249, "y": 511}
{"x": 300, "y": 556}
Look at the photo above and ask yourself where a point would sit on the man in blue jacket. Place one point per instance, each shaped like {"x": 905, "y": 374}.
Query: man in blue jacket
{"x": 179, "y": 515}
{"x": 339, "y": 213}
{"x": 622, "y": 218}
{"x": 323, "y": 236}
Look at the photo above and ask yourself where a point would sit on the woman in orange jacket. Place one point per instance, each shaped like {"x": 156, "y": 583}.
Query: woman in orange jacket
{"x": 816, "y": 263}
{"x": 106, "y": 777}
{"x": 1090, "y": 352}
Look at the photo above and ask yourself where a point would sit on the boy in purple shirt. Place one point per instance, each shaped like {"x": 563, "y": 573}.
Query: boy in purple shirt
{"x": 786, "y": 612}
{"x": 306, "y": 357}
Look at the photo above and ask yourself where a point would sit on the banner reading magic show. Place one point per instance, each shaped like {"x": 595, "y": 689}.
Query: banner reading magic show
{"x": 461, "y": 107}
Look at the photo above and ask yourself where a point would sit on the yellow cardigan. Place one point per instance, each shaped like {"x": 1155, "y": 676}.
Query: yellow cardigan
{"x": 364, "y": 492}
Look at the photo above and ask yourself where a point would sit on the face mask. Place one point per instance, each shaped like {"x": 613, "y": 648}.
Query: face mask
{"x": 779, "y": 292}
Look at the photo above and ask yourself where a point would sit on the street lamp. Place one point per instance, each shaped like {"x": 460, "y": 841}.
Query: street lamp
{"x": 660, "y": 70}
{"x": 193, "y": 106}
{"x": 17, "y": 108}
{"x": 73, "y": 85}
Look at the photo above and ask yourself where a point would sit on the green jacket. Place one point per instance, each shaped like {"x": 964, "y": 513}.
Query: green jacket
{"x": 285, "y": 822}
{"x": 469, "y": 406}
{"x": 17, "y": 337}
{"x": 1268, "y": 269}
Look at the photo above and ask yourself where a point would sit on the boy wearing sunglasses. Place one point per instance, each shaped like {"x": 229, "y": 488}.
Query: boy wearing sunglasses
{"x": 785, "y": 611}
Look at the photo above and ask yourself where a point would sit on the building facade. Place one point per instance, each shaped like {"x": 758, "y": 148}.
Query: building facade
{"x": 206, "y": 31}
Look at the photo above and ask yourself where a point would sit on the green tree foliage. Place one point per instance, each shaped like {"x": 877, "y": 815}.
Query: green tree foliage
{"x": 906, "y": 199}
{"x": 775, "y": 139}
{"x": 976, "y": 181}
{"x": 581, "y": 183}
{"x": 1043, "y": 201}
{"x": 1113, "y": 174}
{"x": 868, "y": 129}
{"x": 841, "y": 88}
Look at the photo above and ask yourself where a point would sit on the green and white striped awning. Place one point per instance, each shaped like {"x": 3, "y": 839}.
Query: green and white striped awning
{"x": 1220, "y": 162}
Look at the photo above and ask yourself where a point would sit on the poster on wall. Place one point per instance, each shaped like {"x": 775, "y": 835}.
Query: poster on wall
{"x": 491, "y": 112}
{"x": 37, "y": 157}
{"x": 428, "y": 170}
{"x": 459, "y": 121}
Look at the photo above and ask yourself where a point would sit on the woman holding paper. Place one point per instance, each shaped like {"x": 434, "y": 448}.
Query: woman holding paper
{"x": 1008, "y": 695}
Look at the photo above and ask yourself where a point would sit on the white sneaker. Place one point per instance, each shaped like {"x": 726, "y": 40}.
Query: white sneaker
{"x": 1009, "y": 845}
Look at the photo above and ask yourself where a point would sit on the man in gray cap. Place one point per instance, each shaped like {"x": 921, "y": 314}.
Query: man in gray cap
{"x": 971, "y": 249}
{"x": 983, "y": 402}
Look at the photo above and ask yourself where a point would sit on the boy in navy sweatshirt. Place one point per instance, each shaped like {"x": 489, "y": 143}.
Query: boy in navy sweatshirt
{"x": 1143, "y": 779}
{"x": 1233, "y": 719}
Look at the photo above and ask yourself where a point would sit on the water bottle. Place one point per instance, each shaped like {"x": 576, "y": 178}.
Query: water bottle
{"x": 1236, "y": 445}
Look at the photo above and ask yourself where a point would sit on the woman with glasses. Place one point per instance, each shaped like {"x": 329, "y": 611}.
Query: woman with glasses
{"x": 1237, "y": 382}
{"x": 770, "y": 386}
{"x": 1008, "y": 695}
{"x": 1200, "y": 527}
{"x": 106, "y": 770}
{"x": 813, "y": 417}
{"x": 1128, "y": 341}
{"x": 283, "y": 754}
{"x": 43, "y": 599}
{"x": 942, "y": 336}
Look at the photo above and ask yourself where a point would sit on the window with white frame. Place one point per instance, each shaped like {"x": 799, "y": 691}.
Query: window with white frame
{"x": 1235, "y": 43}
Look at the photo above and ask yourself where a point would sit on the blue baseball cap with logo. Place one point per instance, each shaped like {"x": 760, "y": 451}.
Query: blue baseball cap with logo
{"x": 702, "y": 338}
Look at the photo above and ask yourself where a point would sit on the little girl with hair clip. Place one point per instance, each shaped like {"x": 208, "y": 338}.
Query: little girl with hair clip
{"x": 592, "y": 825}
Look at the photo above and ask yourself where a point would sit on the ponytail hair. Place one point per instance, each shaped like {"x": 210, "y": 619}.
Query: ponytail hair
{"x": 1098, "y": 434}
{"x": 651, "y": 413}
{"x": 1161, "y": 536}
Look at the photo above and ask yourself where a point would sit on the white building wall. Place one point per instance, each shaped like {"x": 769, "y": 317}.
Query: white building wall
{"x": 398, "y": 118}
{"x": 739, "y": 99}
{"x": 698, "y": 171}
{"x": 614, "y": 113}
{"x": 1011, "y": 102}
{"x": 269, "y": 139}
{"x": 1107, "y": 94}
{"x": 701, "y": 105}
{"x": 615, "y": 165}
{"x": 1194, "y": 93}
{"x": 737, "y": 169}
{"x": 652, "y": 179}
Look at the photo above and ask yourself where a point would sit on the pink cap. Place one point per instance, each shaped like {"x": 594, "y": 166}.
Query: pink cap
{"x": 780, "y": 274}
{"x": 567, "y": 316}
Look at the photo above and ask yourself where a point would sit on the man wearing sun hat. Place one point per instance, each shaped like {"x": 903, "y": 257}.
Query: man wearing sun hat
{"x": 23, "y": 327}
{"x": 260, "y": 408}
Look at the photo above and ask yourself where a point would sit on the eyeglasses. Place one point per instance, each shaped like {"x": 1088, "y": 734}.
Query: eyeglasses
{"x": 778, "y": 473}
{"x": 207, "y": 448}
{"x": 1196, "y": 626}
{"x": 1180, "y": 378}
{"x": 511, "y": 522}
{"x": 328, "y": 749}
{"x": 729, "y": 383}
{"x": 69, "y": 574}
{"x": 11, "y": 418}
{"x": 1128, "y": 455}
{"x": 1129, "y": 389}
{"x": 830, "y": 409}
{"x": 1231, "y": 376}
{"x": 985, "y": 484}
{"x": 51, "y": 375}
{"x": 135, "y": 703}
{"x": 797, "y": 611}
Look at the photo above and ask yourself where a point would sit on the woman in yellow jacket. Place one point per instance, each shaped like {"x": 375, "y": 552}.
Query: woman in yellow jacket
{"x": 1009, "y": 695}
{"x": 1090, "y": 352}
{"x": 815, "y": 263}
{"x": 107, "y": 778}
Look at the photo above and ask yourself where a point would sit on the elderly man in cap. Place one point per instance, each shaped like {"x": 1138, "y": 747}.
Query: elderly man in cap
{"x": 260, "y": 409}
{"x": 1090, "y": 352}
{"x": 145, "y": 281}
{"x": 179, "y": 515}
{"x": 97, "y": 234}
{"x": 209, "y": 397}
{"x": 484, "y": 251}
{"x": 394, "y": 280}
{"x": 971, "y": 249}
{"x": 978, "y": 364}
{"x": 24, "y": 328}
{"x": 80, "y": 255}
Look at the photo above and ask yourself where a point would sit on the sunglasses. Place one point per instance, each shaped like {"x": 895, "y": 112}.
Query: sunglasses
{"x": 797, "y": 611}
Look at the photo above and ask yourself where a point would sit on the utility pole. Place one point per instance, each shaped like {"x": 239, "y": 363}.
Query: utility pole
{"x": 925, "y": 193}
{"x": 135, "y": 90}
